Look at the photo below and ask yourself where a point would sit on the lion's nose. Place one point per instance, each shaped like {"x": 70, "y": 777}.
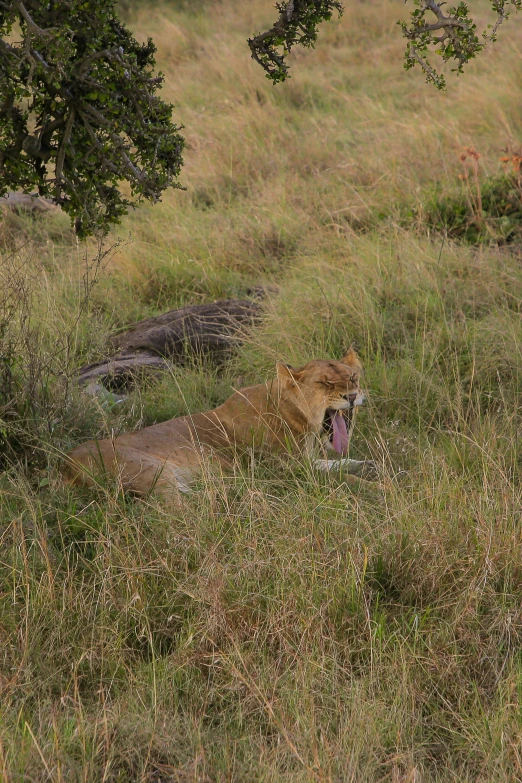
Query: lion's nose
{"x": 352, "y": 397}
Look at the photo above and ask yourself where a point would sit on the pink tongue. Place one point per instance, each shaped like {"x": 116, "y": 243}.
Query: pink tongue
{"x": 340, "y": 434}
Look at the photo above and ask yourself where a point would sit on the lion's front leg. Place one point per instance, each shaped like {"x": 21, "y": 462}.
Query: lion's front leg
{"x": 365, "y": 469}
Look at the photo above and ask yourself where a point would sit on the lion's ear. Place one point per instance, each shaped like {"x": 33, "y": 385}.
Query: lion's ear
{"x": 287, "y": 374}
{"x": 351, "y": 359}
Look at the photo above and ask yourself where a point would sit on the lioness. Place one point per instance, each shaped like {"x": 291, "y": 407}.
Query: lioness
{"x": 299, "y": 408}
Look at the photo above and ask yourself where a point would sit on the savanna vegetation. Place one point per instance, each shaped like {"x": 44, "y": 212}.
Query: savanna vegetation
{"x": 280, "y": 625}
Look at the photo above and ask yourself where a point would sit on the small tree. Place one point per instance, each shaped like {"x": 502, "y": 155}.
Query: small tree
{"x": 79, "y": 111}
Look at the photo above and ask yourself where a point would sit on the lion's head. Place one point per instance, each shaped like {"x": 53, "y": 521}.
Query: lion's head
{"x": 327, "y": 392}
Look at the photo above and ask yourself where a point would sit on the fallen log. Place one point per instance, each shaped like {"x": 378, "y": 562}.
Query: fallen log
{"x": 118, "y": 370}
{"x": 213, "y": 328}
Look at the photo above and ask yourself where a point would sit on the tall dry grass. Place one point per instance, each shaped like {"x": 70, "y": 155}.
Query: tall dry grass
{"x": 279, "y": 625}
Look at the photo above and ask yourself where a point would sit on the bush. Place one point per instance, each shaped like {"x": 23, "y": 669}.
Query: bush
{"x": 482, "y": 211}
{"x": 40, "y": 407}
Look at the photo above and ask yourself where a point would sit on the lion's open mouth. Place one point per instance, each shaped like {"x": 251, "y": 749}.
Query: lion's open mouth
{"x": 336, "y": 426}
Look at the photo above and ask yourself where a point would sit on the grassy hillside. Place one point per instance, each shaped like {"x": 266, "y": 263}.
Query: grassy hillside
{"x": 279, "y": 625}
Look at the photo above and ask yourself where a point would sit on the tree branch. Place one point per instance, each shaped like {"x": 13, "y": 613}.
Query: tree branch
{"x": 29, "y": 21}
{"x": 119, "y": 143}
{"x": 426, "y": 67}
{"x": 297, "y": 24}
{"x": 60, "y": 158}
{"x": 502, "y": 14}
{"x": 85, "y": 64}
{"x": 442, "y": 25}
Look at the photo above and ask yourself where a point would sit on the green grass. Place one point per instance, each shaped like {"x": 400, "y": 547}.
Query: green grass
{"x": 497, "y": 219}
{"x": 279, "y": 625}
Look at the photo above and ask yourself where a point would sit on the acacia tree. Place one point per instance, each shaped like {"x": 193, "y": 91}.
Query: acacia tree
{"x": 80, "y": 112}
{"x": 452, "y": 35}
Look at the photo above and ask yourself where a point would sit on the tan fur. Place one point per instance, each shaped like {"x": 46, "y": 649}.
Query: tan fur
{"x": 282, "y": 415}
